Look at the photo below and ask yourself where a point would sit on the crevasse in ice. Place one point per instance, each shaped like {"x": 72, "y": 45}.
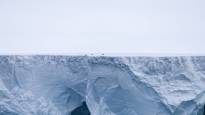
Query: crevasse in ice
{"x": 57, "y": 85}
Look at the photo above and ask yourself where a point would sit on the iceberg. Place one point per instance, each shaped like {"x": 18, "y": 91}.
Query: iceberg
{"x": 102, "y": 85}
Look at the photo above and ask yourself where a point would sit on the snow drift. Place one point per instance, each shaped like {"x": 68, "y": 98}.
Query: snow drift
{"x": 57, "y": 85}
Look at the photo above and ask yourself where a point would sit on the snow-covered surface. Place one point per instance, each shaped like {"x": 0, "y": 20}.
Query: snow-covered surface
{"x": 56, "y": 85}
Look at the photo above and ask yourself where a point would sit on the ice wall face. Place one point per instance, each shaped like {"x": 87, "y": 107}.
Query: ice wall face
{"x": 57, "y": 85}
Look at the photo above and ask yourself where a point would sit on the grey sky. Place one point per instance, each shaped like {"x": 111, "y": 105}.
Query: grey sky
{"x": 105, "y": 26}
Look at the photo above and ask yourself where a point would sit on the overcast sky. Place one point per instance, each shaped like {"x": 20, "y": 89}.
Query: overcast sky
{"x": 102, "y": 26}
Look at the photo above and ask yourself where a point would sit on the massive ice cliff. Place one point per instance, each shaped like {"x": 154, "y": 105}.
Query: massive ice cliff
{"x": 57, "y": 85}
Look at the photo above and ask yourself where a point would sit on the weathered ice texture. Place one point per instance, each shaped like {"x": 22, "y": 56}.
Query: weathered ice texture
{"x": 62, "y": 85}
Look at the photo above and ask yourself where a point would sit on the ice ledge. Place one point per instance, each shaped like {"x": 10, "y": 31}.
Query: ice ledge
{"x": 109, "y": 85}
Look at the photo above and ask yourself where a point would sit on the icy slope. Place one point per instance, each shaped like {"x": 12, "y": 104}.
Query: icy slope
{"x": 56, "y": 85}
